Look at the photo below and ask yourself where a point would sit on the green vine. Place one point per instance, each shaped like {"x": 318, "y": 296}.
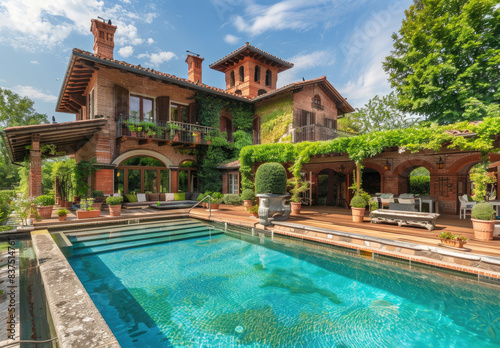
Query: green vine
{"x": 83, "y": 170}
{"x": 360, "y": 147}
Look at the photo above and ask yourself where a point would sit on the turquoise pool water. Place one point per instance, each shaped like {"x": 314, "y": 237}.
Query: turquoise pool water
{"x": 232, "y": 290}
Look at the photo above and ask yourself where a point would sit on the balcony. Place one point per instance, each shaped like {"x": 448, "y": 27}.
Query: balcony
{"x": 162, "y": 131}
{"x": 316, "y": 132}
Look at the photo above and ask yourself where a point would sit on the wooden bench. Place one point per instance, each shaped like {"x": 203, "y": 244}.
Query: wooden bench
{"x": 404, "y": 218}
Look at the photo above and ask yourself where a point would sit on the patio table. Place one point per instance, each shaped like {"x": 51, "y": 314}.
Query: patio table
{"x": 431, "y": 201}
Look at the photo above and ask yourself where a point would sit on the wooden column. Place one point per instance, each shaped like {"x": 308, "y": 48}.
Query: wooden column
{"x": 35, "y": 179}
{"x": 174, "y": 179}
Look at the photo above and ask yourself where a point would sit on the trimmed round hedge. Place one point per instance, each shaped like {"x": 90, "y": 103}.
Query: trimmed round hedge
{"x": 270, "y": 178}
{"x": 358, "y": 202}
{"x": 483, "y": 211}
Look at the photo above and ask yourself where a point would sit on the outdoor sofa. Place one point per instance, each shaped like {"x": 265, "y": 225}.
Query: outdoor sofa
{"x": 146, "y": 199}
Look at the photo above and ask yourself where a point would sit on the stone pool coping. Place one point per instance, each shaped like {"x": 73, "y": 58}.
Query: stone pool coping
{"x": 76, "y": 319}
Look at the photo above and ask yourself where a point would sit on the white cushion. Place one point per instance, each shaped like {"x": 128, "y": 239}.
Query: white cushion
{"x": 169, "y": 197}
{"x": 141, "y": 197}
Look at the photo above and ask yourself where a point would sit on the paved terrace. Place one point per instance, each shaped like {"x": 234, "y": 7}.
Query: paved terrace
{"x": 317, "y": 216}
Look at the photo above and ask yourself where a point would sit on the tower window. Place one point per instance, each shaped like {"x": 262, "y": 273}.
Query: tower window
{"x": 232, "y": 79}
{"x": 269, "y": 77}
{"x": 242, "y": 74}
{"x": 317, "y": 100}
{"x": 257, "y": 74}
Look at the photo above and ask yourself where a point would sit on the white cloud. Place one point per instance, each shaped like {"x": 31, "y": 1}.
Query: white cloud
{"x": 292, "y": 14}
{"x": 34, "y": 62}
{"x": 304, "y": 62}
{"x": 30, "y": 24}
{"x": 150, "y": 41}
{"x": 33, "y": 93}
{"x": 231, "y": 39}
{"x": 126, "y": 51}
{"x": 156, "y": 59}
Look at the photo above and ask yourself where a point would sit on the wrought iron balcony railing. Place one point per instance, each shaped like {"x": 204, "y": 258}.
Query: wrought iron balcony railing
{"x": 132, "y": 126}
{"x": 314, "y": 132}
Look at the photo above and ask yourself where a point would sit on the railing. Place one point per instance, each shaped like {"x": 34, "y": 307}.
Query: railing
{"x": 314, "y": 132}
{"x": 132, "y": 126}
{"x": 209, "y": 205}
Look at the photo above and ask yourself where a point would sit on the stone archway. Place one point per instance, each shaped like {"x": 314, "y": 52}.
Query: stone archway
{"x": 404, "y": 169}
{"x": 146, "y": 153}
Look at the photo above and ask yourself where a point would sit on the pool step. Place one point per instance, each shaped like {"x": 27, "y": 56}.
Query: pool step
{"x": 142, "y": 225}
{"x": 127, "y": 230}
{"x": 139, "y": 241}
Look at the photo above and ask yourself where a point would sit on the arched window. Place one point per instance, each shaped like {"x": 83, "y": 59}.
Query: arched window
{"x": 269, "y": 78}
{"x": 257, "y": 74}
{"x": 141, "y": 174}
{"x": 242, "y": 74}
{"x": 238, "y": 92}
{"x": 232, "y": 79}
{"x": 317, "y": 100}
{"x": 261, "y": 92}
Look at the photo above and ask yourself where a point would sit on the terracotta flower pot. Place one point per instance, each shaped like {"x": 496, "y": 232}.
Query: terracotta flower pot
{"x": 255, "y": 214}
{"x": 215, "y": 206}
{"x": 483, "y": 229}
{"x": 87, "y": 214}
{"x": 295, "y": 208}
{"x": 247, "y": 203}
{"x": 115, "y": 210}
{"x": 62, "y": 217}
{"x": 453, "y": 243}
{"x": 67, "y": 204}
{"x": 45, "y": 212}
{"x": 358, "y": 214}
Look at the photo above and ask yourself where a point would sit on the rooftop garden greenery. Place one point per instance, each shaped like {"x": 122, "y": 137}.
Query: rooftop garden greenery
{"x": 358, "y": 148}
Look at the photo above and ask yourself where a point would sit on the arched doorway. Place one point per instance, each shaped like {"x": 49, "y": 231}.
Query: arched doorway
{"x": 141, "y": 174}
{"x": 419, "y": 181}
{"x": 188, "y": 177}
{"x": 370, "y": 181}
{"x": 331, "y": 188}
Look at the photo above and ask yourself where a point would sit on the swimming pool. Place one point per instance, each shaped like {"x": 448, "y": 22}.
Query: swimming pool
{"x": 219, "y": 289}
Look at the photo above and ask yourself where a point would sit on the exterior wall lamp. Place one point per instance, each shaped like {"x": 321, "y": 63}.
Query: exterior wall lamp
{"x": 387, "y": 165}
{"x": 440, "y": 163}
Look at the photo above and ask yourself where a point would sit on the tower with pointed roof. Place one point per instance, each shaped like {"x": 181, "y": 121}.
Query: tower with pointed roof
{"x": 250, "y": 72}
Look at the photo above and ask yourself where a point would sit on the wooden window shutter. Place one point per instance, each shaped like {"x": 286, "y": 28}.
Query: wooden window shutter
{"x": 335, "y": 124}
{"x": 162, "y": 108}
{"x": 194, "y": 109}
{"x": 303, "y": 118}
{"x": 297, "y": 117}
{"x": 121, "y": 101}
{"x": 313, "y": 118}
{"x": 325, "y": 122}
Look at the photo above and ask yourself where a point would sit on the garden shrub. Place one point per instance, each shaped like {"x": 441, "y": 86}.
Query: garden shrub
{"x": 420, "y": 185}
{"x": 232, "y": 199}
{"x": 97, "y": 193}
{"x": 248, "y": 195}
{"x": 358, "y": 202}
{"x": 271, "y": 178}
{"x": 483, "y": 211}
{"x": 111, "y": 200}
{"x": 45, "y": 200}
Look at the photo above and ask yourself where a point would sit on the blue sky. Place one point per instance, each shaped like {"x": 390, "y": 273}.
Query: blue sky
{"x": 346, "y": 40}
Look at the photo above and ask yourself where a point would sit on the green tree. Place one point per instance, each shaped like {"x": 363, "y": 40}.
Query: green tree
{"x": 380, "y": 113}
{"x": 18, "y": 111}
{"x": 445, "y": 61}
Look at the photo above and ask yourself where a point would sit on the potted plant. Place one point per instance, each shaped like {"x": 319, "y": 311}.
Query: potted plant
{"x": 217, "y": 200}
{"x": 134, "y": 129}
{"x": 453, "y": 240}
{"x": 248, "y": 197}
{"x": 115, "y": 205}
{"x": 358, "y": 206}
{"x": 173, "y": 128}
{"x": 63, "y": 214}
{"x": 270, "y": 188}
{"x": 297, "y": 188}
{"x": 254, "y": 210}
{"x": 483, "y": 213}
{"x": 45, "y": 203}
{"x": 64, "y": 173}
{"x": 86, "y": 210}
{"x": 25, "y": 208}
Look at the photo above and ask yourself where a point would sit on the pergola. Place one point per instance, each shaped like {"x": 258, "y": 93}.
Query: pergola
{"x": 67, "y": 137}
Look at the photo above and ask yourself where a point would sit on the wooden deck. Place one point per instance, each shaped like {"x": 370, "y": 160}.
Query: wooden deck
{"x": 318, "y": 216}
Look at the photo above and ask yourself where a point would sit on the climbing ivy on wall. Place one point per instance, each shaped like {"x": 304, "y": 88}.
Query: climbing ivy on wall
{"x": 275, "y": 118}
{"x": 220, "y": 150}
{"x": 358, "y": 148}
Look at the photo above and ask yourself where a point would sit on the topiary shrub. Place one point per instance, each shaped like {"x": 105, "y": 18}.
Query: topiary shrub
{"x": 248, "y": 195}
{"x": 97, "y": 193}
{"x": 483, "y": 211}
{"x": 45, "y": 200}
{"x": 111, "y": 200}
{"x": 358, "y": 202}
{"x": 232, "y": 199}
{"x": 270, "y": 178}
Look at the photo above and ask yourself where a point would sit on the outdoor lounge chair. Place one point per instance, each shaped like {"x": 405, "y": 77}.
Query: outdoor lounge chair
{"x": 465, "y": 205}
{"x": 386, "y": 199}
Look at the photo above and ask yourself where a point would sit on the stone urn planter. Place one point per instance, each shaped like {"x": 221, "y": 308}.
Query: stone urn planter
{"x": 295, "y": 208}
{"x": 273, "y": 207}
{"x": 358, "y": 214}
{"x": 115, "y": 210}
{"x": 87, "y": 214}
{"x": 45, "y": 212}
{"x": 483, "y": 229}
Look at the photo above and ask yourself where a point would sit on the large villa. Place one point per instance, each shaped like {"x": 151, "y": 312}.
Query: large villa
{"x": 170, "y": 252}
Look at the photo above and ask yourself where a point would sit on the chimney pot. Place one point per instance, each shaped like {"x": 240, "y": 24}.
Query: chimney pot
{"x": 104, "y": 34}
{"x": 194, "y": 67}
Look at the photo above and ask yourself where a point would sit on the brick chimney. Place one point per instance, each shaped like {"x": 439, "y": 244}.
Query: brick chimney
{"x": 194, "y": 68}
{"x": 103, "y": 38}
